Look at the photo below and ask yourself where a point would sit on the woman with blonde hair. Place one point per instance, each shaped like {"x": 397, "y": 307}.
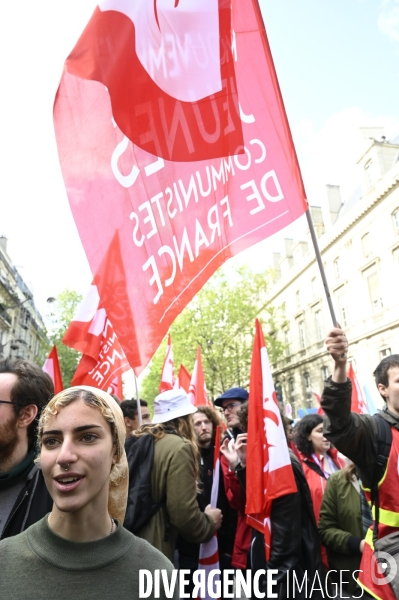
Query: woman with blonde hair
{"x": 81, "y": 546}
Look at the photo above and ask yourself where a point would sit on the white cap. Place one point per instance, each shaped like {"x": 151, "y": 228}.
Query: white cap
{"x": 170, "y": 405}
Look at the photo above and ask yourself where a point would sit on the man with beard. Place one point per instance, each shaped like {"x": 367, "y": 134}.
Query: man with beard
{"x": 24, "y": 390}
{"x": 205, "y": 421}
{"x": 230, "y": 402}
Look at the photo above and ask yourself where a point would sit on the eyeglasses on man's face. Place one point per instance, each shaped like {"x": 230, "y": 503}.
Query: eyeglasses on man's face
{"x": 9, "y": 402}
{"x": 229, "y": 407}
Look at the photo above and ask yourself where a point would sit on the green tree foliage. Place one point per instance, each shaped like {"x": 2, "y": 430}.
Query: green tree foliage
{"x": 220, "y": 319}
{"x": 62, "y": 312}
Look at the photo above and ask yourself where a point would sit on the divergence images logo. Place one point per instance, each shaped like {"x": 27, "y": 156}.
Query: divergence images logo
{"x": 383, "y": 568}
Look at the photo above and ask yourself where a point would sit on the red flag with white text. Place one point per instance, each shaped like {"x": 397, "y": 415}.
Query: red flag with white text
{"x": 269, "y": 470}
{"x": 197, "y": 390}
{"x": 92, "y": 333}
{"x": 52, "y": 368}
{"x": 175, "y": 151}
{"x": 209, "y": 551}
{"x": 358, "y": 404}
{"x": 168, "y": 369}
{"x": 183, "y": 380}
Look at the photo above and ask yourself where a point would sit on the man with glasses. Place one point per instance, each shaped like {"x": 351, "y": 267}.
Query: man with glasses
{"x": 230, "y": 402}
{"x": 24, "y": 390}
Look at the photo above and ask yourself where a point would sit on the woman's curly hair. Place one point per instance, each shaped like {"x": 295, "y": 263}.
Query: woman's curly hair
{"x": 302, "y": 431}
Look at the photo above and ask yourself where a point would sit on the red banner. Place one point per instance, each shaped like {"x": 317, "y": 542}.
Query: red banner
{"x": 92, "y": 333}
{"x": 269, "y": 470}
{"x": 176, "y": 153}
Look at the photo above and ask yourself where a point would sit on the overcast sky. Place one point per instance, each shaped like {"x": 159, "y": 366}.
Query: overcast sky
{"x": 337, "y": 62}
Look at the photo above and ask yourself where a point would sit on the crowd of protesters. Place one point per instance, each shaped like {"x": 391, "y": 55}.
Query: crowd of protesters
{"x": 89, "y": 497}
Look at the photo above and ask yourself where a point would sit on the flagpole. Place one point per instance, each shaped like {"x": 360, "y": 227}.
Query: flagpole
{"x": 138, "y": 400}
{"x": 321, "y": 267}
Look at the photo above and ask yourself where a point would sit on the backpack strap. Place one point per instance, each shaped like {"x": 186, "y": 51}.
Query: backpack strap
{"x": 312, "y": 465}
{"x": 384, "y": 448}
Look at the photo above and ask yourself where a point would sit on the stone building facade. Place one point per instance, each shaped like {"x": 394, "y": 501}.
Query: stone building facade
{"x": 22, "y": 331}
{"x": 359, "y": 244}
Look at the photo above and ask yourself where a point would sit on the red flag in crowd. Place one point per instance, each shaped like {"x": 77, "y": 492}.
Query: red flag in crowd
{"x": 320, "y": 411}
{"x": 172, "y": 163}
{"x": 183, "y": 380}
{"x": 52, "y": 368}
{"x": 269, "y": 472}
{"x": 168, "y": 369}
{"x": 209, "y": 551}
{"x": 92, "y": 333}
{"x": 116, "y": 387}
{"x": 197, "y": 391}
{"x": 358, "y": 405}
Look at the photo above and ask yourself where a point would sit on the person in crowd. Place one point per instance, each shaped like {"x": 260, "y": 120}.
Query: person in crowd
{"x": 205, "y": 422}
{"x": 344, "y": 520}
{"x": 81, "y": 545}
{"x": 230, "y": 402}
{"x": 289, "y": 432}
{"x": 295, "y": 547}
{"x": 318, "y": 459}
{"x": 174, "y": 477}
{"x": 24, "y": 390}
{"x": 357, "y": 437}
{"x": 130, "y": 414}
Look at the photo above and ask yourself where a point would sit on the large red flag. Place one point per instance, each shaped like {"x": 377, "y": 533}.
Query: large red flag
{"x": 358, "y": 404}
{"x": 52, "y": 368}
{"x": 197, "y": 390}
{"x": 183, "y": 380}
{"x": 168, "y": 369}
{"x": 175, "y": 151}
{"x": 269, "y": 470}
{"x": 91, "y": 333}
{"x": 209, "y": 551}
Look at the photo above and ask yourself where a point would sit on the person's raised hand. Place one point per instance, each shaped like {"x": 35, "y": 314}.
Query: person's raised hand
{"x": 241, "y": 448}
{"x": 228, "y": 450}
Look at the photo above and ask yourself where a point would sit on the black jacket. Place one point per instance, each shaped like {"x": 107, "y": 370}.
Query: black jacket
{"x": 32, "y": 504}
{"x": 295, "y": 540}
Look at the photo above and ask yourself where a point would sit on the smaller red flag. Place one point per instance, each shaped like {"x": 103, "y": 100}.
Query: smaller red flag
{"x": 269, "y": 472}
{"x": 168, "y": 369}
{"x": 183, "y": 380}
{"x": 358, "y": 404}
{"x": 92, "y": 333}
{"x": 320, "y": 411}
{"x": 197, "y": 391}
{"x": 52, "y": 368}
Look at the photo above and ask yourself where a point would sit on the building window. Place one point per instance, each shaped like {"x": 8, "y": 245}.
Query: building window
{"x": 313, "y": 286}
{"x": 298, "y": 299}
{"x": 337, "y": 268}
{"x": 306, "y": 379}
{"x": 291, "y": 386}
{"x": 287, "y": 342}
{"x": 366, "y": 245}
{"x": 352, "y": 361}
{"x": 325, "y": 373}
{"x": 342, "y": 300}
{"x": 369, "y": 169}
{"x": 395, "y": 217}
{"x": 384, "y": 352}
{"x": 279, "y": 392}
{"x": 374, "y": 292}
{"x": 319, "y": 325}
{"x": 301, "y": 327}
